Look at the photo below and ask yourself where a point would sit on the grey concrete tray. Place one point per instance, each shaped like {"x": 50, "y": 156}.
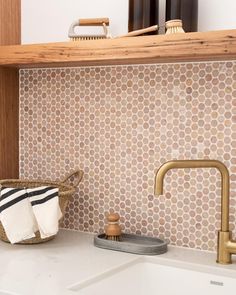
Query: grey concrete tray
{"x": 133, "y": 244}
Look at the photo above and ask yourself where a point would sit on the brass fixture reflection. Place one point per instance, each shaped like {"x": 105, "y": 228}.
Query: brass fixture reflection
{"x": 226, "y": 246}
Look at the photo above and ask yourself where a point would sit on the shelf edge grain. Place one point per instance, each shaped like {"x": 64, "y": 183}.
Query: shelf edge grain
{"x": 216, "y": 45}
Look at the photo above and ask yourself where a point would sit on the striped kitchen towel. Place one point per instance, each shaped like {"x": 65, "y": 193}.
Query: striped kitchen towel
{"x": 16, "y": 214}
{"x": 45, "y": 204}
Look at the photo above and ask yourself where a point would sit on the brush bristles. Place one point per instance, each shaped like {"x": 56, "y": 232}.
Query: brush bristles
{"x": 113, "y": 238}
{"x": 85, "y": 38}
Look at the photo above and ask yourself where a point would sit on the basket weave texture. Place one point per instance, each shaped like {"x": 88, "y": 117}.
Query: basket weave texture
{"x": 66, "y": 192}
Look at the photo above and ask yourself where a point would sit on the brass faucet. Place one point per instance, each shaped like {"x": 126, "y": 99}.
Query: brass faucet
{"x": 225, "y": 246}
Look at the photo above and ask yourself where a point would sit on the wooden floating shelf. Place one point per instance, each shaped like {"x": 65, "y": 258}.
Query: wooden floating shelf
{"x": 216, "y": 45}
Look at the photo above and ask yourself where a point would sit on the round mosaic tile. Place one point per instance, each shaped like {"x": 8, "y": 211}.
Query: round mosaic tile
{"x": 119, "y": 124}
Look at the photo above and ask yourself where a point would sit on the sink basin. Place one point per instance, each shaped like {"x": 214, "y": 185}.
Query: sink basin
{"x": 148, "y": 276}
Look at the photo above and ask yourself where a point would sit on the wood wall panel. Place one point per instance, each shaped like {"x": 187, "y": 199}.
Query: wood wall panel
{"x": 10, "y": 22}
{"x": 9, "y": 121}
{"x": 10, "y": 29}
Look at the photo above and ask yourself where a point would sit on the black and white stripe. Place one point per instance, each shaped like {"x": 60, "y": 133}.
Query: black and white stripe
{"x": 37, "y": 196}
{"x": 11, "y": 196}
{"x": 41, "y": 195}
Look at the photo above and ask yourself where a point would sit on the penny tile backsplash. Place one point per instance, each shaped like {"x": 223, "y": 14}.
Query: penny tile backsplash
{"x": 119, "y": 124}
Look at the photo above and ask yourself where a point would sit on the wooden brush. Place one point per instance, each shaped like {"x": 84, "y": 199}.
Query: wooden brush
{"x": 113, "y": 230}
{"x": 104, "y": 22}
{"x": 174, "y": 26}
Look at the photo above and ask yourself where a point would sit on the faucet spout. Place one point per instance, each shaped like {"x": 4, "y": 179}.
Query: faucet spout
{"x": 225, "y": 246}
{"x": 181, "y": 164}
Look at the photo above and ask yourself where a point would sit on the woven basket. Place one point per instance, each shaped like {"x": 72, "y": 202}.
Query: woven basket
{"x": 65, "y": 194}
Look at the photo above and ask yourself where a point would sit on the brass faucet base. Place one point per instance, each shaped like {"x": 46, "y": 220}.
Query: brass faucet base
{"x": 223, "y": 254}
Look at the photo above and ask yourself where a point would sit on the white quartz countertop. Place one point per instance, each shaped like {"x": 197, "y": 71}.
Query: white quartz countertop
{"x": 52, "y": 267}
